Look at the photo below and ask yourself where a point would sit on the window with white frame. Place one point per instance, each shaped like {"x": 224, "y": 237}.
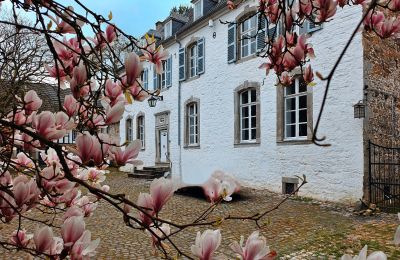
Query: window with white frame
{"x": 161, "y": 78}
{"x": 295, "y": 110}
{"x": 193, "y": 60}
{"x": 248, "y": 32}
{"x": 248, "y": 115}
{"x": 128, "y": 125}
{"x": 140, "y": 130}
{"x": 198, "y": 9}
{"x": 193, "y": 124}
{"x": 168, "y": 30}
{"x": 145, "y": 78}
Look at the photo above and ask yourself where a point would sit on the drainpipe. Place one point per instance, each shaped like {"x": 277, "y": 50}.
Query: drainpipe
{"x": 179, "y": 116}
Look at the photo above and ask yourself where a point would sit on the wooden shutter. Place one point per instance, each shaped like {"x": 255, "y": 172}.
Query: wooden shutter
{"x": 169, "y": 72}
{"x": 146, "y": 79}
{"x": 200, "y": 56}
{"x": 232, "y": 38}
{"x": 182, "y": 65}
{"x": 155, "y": 78}
{"x": 261, "y": 23}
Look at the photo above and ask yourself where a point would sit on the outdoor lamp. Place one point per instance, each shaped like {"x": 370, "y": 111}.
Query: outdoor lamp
{"x": 359, "y": 109}
{"x": 153, "y": 100}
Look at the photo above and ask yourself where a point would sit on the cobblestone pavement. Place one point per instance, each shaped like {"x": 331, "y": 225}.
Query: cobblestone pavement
{"x": 299, "y": 229}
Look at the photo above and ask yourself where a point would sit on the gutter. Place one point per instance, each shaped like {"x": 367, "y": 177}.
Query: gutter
{"x": 179, "y": 115}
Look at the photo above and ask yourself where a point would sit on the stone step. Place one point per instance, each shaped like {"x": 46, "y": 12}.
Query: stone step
{"x": 156, "y": 168}
{"x": 145, "y": 175}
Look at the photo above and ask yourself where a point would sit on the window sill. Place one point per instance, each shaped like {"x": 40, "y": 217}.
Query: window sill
{"x": 249, "y": 144}
{"x": 241, "y": 60}
{"x": 192, "y": 78}
{"x": 294, "y": 142}
{"x": 192, "y": 146}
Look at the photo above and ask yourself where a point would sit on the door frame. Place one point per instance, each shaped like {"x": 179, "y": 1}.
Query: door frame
{"x": 162, "y": 124}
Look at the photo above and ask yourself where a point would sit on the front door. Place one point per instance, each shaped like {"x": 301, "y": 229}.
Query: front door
{"x": 163, "y": 145}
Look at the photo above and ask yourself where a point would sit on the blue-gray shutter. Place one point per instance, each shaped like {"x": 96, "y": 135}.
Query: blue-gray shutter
{"x": 200, "y": 56}
{"x": 232, "y": 43}
{"x": 155, "y": 85}
{"x": 304, "y": 28}
{"x": 146, "y": 79}
{"x": 182, "y": 71}
{"x": 169, "y": 72}
{"x": 312, "y": 27}
{"x": 261, "y": 24}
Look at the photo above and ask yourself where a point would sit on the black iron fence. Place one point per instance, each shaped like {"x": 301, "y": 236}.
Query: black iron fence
{"x": 384, "y": 177}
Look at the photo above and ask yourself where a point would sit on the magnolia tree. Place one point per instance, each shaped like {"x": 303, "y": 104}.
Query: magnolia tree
{"x": 92, "y": 69}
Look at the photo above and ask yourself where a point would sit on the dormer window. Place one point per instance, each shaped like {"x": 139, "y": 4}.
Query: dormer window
{"x": 198, "y": 9}
{"x": 168, "y": 30}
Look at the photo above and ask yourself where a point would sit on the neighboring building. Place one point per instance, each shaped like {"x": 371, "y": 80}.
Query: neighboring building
{"x": 221, "y": 112}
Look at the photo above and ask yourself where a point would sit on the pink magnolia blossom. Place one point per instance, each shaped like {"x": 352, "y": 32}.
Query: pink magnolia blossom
{"x": 285, "y": 79}
{"x": 25, "y": 191}
{"x": 161, "y": 190}
{"x": 7, "y": 207}
{"x": 89, "y": 148}
{"x": 389, "y": 27}
{"x": 230, "y": 5}
{"x": 378, "y": 255}
{"x": 255, "y": 248}
{"x": 32, "y": 102}
{"x": 394, "y": 5}
{"x": 57, "y": 74}
{"x": 114, "y": 113}
{"x": 113, "y": 91}
{"x": 206, "y": 244}
{"x": 84, "y": 247}
{"x": 72, "y": 229}
{"x": 111, "y": 33}
{"x": 19, "y": 117}
{"x": 212, "y": 189}
{"x": 305, "y": 7}
{"x": 308, "y": 74}
{"x": 145, "y": 201}
{"x": 138, "y": 93}
{"x": 325, "y": 9}
{"x": 5, "y": 179}
{"x": 86, "y": 205}
{"x": 133, "y": 68}
{"x": 70, "y": 105}
{"x": 45, "y": 242}
{"x": 122, "y": 157}
{"x": 45, "y": 125}
{"x": 23, "y": 161}
{"x": 156, "y": 56}
{"x": 63, "y": 26}
{"x": 160, "y": 232}
{"x": 78, "y": 83}
{"x": 20, "y": 238}
{"x": 73, "y": 211}
{"x": 63, "y": 121}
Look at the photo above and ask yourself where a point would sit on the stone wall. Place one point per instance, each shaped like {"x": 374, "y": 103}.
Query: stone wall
{"x": 381, "y": 79}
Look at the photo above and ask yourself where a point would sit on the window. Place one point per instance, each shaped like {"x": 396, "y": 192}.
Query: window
{"x": 193, "y": 60}
{"x": 145, "y": 79}
{"x": 247, "y": 113}
{"x": 248, "y": 34}
{"x": 168, "y": 30}
{"x": 140, "y": 130}
{"x": 128, "y": 125}
{"x": 192, "y": 123}
{"x": 163, "y": 80}
{"x": 296, "y": 110}
{"x": 198, "y": 9}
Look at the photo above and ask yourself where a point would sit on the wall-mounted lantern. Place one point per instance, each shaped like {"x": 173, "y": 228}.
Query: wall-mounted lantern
{"x": 359, "y": 109}
{"x": 153, "y": 100}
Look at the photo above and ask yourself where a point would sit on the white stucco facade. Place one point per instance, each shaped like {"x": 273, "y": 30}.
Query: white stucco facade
{"x": 334, "y": 172}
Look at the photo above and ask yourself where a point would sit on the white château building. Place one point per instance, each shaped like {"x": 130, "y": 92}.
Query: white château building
{"x": 220, "y": 112}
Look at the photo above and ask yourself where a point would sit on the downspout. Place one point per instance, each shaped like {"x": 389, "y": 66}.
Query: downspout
{"x": 179, "y": 116}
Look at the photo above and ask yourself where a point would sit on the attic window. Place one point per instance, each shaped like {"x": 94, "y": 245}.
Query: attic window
{"x": 198, "y": 9}
{"x": 168, "y": 30}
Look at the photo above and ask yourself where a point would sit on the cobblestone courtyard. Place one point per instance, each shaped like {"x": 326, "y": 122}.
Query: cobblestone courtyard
{"x": 308, "y": 229}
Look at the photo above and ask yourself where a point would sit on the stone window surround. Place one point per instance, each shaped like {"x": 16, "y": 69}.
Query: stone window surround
{"x": 126, "y": 128}
{"x": 189, "y": 101}
{"x": 280, "y": 120}
{"x": 246, "y": 86}
{"x": 244, "y": 15}
{"x": 191, "y": 43}
{"x": 139, "y": 115}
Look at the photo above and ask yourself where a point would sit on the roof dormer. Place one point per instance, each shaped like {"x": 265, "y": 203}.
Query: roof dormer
{"x": 198, "y": 9}
{"x": 168, "y": 29}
